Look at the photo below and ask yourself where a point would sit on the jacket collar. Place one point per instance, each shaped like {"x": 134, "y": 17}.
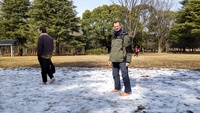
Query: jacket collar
{"x": 43, "y": 34}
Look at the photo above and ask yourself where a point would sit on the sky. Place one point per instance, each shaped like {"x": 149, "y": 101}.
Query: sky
{"x": 88, "y": 90}
{"x": 83, "y": 5}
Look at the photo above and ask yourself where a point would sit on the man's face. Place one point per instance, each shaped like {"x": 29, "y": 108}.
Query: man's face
{"x": 117, "y": 26}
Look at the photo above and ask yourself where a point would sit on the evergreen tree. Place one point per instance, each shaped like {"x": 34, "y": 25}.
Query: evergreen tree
{"x": 186, "y": 30}
{"x": 58, "y": 16}
{"x": 14, "y": 20}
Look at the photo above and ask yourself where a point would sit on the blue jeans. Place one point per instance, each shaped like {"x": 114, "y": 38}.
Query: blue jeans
{"x": 116, "y": 66}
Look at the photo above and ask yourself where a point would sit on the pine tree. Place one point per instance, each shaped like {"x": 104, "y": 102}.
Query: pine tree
{"x": 58, "y": 16}
{"x": 187, "y": 26}
{"x": 14, "y": 20}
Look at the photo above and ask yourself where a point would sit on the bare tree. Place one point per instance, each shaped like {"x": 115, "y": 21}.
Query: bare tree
{"x": 161, "y": 19}
{"x": 137, "y": 14}
{"x": 131, "y": 14}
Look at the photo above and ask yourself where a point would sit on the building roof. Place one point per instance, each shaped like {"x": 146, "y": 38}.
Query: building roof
{"x": 7, "y": 42}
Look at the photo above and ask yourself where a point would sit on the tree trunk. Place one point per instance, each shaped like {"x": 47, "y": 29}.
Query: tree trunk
{"x": 0, "y": 52}
{"x": 20, "y": 51}
{"x": 159, "y": 46}
{"x": 109, "y": 49}
{"x": 184, "y": 49}
{"x": 57, "y": 48}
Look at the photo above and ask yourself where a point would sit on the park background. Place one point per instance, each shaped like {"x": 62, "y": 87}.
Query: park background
{"x": 156, "y": 26}
{"x": 164, "y": 77}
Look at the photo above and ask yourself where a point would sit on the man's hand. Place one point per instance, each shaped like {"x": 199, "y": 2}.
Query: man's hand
{"x": 109, "y": 63}
{"x": 127, "y": 64}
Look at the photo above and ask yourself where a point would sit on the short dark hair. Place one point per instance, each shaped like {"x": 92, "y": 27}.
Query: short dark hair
{"x": 43, "y": 29}
{"x": 117, "y": 22}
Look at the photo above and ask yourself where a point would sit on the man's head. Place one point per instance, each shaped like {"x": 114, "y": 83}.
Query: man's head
{"x": 42, "y": 30}
{"x": 117, "y": 26}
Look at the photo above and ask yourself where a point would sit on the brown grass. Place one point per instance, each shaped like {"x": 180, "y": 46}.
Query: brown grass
{"x": 147, "y": 60}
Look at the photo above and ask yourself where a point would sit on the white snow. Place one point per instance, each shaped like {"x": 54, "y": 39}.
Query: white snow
{"x": 87, "y": 90}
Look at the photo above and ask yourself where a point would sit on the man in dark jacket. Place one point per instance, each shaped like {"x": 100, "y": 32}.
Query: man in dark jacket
{"x": 120, "y": 58}
{"x": 44, "y": 51}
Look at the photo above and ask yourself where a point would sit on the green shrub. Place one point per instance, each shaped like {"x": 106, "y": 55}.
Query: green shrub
{"x": 96, "y": 52}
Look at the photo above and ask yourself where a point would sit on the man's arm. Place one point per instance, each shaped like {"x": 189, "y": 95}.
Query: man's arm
{"x": 128, "y": 47}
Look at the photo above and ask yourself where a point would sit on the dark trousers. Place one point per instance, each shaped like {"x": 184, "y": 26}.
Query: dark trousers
{"x": 115, "y": 70}
{"x": 45, "y": 65}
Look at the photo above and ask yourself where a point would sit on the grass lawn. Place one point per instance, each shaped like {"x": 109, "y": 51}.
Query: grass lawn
{"x": 146, "y": 60}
